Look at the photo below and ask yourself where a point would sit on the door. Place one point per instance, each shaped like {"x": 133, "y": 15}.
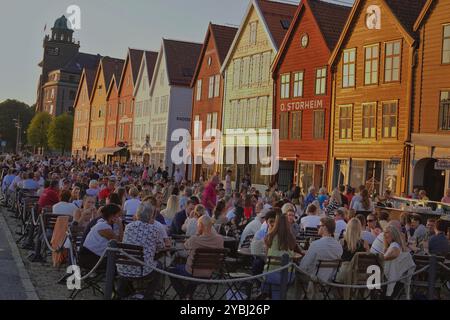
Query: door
{"x": 286, "y": 175}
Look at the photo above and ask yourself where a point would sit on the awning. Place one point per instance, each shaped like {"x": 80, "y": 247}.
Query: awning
{"x": 108, "y": 151}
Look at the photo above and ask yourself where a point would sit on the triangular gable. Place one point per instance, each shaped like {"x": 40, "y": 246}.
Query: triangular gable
{"x": 355, "y": 14}
{"x": 97, "y": 76}
{"x": 83, "y": 81}
{"x": 112, "y": 84}
{"x": 252, "y": 4}
{"x": 158, "y": 67}
{"x": 148, "y": 65}
{"x": 131, "y": 56}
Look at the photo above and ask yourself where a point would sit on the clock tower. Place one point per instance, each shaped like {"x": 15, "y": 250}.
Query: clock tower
{"x": 59, "y": 49}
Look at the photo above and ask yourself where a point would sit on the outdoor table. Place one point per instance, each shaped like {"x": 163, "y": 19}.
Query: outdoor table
{"x": 394, "y": 213}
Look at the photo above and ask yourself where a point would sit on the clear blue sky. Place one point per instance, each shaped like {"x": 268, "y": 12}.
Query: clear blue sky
{"x": 108, "y": 27}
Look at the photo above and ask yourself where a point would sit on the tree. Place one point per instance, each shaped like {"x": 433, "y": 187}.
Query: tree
{"x": 38, "y": 130}
{"x": 60, "y": 133}
{"x": 9, "y": 110}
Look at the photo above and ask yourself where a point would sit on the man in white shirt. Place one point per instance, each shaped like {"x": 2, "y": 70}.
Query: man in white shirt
{"x": 341, "y": 225}
{"x": 312, "y": 220}
{"x": 64, "y": 207}
{"x": 326, "y": 248}
{"x": 253, "y": 227}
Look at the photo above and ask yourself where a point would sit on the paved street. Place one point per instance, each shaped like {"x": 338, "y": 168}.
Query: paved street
{"x": 14, "y": 280}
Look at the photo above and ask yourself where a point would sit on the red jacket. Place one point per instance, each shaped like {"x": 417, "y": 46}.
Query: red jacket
{"x": 48, "y": 198}
{"x": 104, "y": 194}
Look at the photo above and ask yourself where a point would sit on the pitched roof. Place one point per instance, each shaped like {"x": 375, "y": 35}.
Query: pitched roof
{"x": 90, "y": 79}
{"x": 181, "y": 59}
{"x": 406, "y": 11}
{"x": 274, "y": 13}
{"x": 224, "y": 37}
{"x": 422, "y": 16}
{"x": 150, "y": 60}
{"x": 80, "y": 61}
{"x": 331, "y": 19}
{"x": 112, "y": 66}
{"x": 135, "y": 56}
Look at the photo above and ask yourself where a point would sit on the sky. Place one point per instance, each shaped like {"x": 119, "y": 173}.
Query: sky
{"x": 108, "y": 27}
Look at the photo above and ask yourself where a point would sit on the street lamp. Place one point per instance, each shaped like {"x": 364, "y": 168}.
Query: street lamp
{"x": 18, "y": 125}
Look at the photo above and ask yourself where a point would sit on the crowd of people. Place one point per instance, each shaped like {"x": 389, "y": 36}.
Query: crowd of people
{"x": 145, "y": 206}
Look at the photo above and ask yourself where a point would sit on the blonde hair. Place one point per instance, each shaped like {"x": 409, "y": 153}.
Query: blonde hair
{"x": 336, "y": 195}
{"x": 173, "y": 206}
{"x": 133, "y": 192}
{"x": 353, "y": 234}
{"x": 199, "y": 210}
{"x": 396, "y": 237}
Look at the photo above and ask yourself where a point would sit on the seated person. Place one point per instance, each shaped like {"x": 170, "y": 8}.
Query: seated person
{"x": 393, "y": 243}
{"x": 254, "y": 226}
{"x": 341, "y": 225}
{"x": 205, "y": 238}
{"x": 417, "y": 230}
{"x": 378, "y": 244}
{"x": 109, "y": 227}
{"x": 86, "y": 213}
{"x": 64, "y": 207}
{"x": 142, "y": 232}
{"x": 180, "y": 217}
{"x": 365, "y": 235}
{"x": 312, "y": 220}
{"x": 29, "y": 183}
{"x": 131, "y": 205}
{"x": 438, "y": 243}
{"x": 49, "y": 196}
{"x": 190, "y": 225}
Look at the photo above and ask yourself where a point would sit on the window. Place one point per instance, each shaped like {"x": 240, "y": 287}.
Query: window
{"x": 121, "y": 131}
{"x": 253, "y": 110}
{"x": 156, "y": 105}
{"x": 161, "y": 79}
{"x": 371, "y": 64}
{"x": 369, "y": 121}
{"x": 390, "y": 120}
{"x": 345, "y": 122}
{"x": 253, "y": 30}
{"x": 245, "y": 71}
{"x": 214, "y": 121}
{"x": 262, "y": 110}
{"x": 446, "y": 44}
{"x": 256, "y": 69}
{"x": 208, "y": 121}
{"x": 348, "y": 73}
{"x": 284, "y": 125}
{"x": 266, "y": 60}
{"x": 298, "y": 84}
{"x": 321, "y": 80}
{"x": 211, "y": 88}
{"x": 285, "y": 83}
{"x": 444, "y": 111}
{"x": 319, "y": 124}
{"x": 164, "y": 104}
{"x": 197, "y": 125}
{"x": 53, "y": 94}
{"x": 392, "y": 62}
{"x": 217, "y": 86}
{"x": 199, "y": 90}
{"x": 296, "y": 128}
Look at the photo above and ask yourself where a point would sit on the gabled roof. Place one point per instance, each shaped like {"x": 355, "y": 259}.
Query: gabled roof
{"x": 80, "y": 61}
{"x": 181, "y": 59}
{"x": 110, "y": 67}
{"x": 422, "y": 16}
{"x": 330, "y": 19}
{"x": 223, "y": 37}
{"x": 149, "y": 58}
{"x": 88, "y": 77}
{"x": 112, "y": 84}
{"x": 134, "y": 57}
{"x": 405, "y": 13}
{"x": 272, "y": 14}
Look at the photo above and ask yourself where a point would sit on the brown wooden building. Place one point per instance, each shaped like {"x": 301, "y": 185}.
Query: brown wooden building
{"x": 207, "y": 96}
{"x": 430, "y": 152}
{"x": 302, "y": 92}
{"x": 372, "y": 81}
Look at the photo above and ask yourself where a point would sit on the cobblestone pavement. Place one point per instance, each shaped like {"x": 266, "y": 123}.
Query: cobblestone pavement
{"x": 44, "y": 277}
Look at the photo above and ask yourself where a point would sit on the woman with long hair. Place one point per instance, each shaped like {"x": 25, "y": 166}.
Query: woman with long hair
{"x": 352, "y": 242}
{"x": 393, "y": 243}
{"x": 173, "y": 206}
{"x": 334, "y": 203}
{"x": 190, "y": 225}
{"x": 364, "y": 203}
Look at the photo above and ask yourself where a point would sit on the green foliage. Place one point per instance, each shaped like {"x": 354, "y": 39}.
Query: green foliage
{"x": 9, "y": 110}
{"x": 38, "y": 130}
{"x": 60, "y": 133}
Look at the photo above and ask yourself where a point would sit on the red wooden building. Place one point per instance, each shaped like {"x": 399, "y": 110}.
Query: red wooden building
{"x": 208, "y": 93}
{"x": 302, "y": 93}
{"x": 112, "y": 111}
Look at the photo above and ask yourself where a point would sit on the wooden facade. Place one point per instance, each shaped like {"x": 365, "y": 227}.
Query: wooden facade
{"x": 302, "y": 90}
{"x": 372, "y": 84}
{"x": 248, "y": 93}
{"x": 112, "y": 113}
{"x": 82, "y": 107}
{"x": 207, "y": 97}
{"x": 431, "y": 127}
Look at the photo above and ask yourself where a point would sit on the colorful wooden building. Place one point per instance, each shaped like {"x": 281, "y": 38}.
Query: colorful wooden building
{"x": 141, "y": 147}
{"x": 372, "y": 103}
{"x": 248, "y": 92}
{"x": 112, "y": 111}
{"x": 430, "y": 139}
{"x": 302, "y": 93}
{"x": 207, "y": 97}
{"x": 106, "y": 69}
{"x": 82, "y": 113}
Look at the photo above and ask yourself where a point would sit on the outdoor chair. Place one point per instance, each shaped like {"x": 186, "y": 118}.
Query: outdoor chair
{"x": 420, "y": 282}
{"x": 361, "y": 262}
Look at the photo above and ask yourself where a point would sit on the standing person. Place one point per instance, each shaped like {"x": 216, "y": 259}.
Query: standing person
{"x": 357, "y": 197}
{"x": 363, "y": 202}
{"x": 228, "y": 188}
{"x": 209, "y": 196}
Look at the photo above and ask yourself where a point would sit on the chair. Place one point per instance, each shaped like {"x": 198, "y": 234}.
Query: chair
{"x": 420, "y": 283}
{"x": 361, "y": 263}
{"x": 331, "y": 267}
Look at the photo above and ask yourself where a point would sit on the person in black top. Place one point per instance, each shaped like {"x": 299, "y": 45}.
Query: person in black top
{"x": 352, "y": 242}
{"x": 343, "y": 197}
{"x": 439, "y": 244}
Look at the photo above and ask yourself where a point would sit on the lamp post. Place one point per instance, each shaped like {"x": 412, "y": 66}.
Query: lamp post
{"x": 18, "y": 125}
